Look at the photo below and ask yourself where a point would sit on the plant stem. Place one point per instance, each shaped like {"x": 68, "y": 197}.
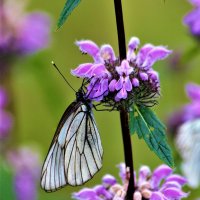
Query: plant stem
{"x": 123, "y": 112}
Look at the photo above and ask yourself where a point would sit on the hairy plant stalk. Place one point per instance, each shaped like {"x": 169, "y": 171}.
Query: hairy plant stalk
{"x": 123, "y": 112}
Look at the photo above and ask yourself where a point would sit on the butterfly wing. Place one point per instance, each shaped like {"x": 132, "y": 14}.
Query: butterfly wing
{"x": 188, "y": 144}
{"x": 75, "y": 154}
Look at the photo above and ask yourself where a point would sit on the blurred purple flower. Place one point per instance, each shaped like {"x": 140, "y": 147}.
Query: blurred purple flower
{"x": 112, "y": 80}
{"x": 26, "y": 166}
{"x": 157, "y": 185}
{"x": 21, "y": 33}
{"x": 195, "y": 2}
{"x": 192, "y": 19}
{"x": 189, "y": 111}
{"x": 6, "y": 120}
{"x": 34, "y": 33}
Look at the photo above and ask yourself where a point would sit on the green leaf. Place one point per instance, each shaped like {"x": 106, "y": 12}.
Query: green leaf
{"x": 67, "y": 10}
{"x": 6, "y": 182}
{"x": 145, "y": 123}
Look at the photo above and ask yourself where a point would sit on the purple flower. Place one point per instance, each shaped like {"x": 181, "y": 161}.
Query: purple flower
{"x": 195, "y": 2}
{"x": 123, "y": 85}
{"x": 21, "y": 33}
{"x": 26, "y": 167}
{"x": 192, "y": 19}
{"x": 34, "y": 34}
{"x": 161, "y": 184}
{"x": 112, "y": 80}
{"x": 6, "y": 120}
{"x": 189, "y": 111}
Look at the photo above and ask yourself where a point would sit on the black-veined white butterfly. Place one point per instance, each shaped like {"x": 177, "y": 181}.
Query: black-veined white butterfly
{"x": 75, "y": 153}
{"x": 188, "y": 143}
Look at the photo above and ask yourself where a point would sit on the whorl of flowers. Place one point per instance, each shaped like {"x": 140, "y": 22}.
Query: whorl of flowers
{"x": 115, "y": 83}
{"x": 192, "y": 19}
{"x": 161, "y": 184}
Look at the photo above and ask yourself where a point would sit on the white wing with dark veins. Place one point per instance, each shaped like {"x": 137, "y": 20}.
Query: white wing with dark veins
{"x": 76, "y": 153}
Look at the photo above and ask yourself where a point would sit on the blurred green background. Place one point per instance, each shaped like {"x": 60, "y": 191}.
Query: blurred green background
{"x": 40, "y": 95}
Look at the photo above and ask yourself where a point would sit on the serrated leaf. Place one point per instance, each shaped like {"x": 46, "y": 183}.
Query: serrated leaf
{"x": 67, "y": 10}
{"x": 145, "y": 123}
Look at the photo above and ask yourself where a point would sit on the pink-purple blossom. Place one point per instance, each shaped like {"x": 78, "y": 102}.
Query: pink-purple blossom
{"x": 161, "y": 184}
{"x": 192, "y": 19}
{"x": 21, "y": 33}
{"x": 189, "y": 111}
{"x": 26, "y": 167}
{"x": 112, "y": 80}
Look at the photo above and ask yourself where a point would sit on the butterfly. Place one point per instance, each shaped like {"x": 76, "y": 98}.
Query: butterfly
{"x": 188, "y": 144}
{"x": 75, "y": 153}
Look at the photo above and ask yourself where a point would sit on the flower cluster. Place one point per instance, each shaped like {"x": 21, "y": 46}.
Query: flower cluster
{"x": 189, "y": 111}
{"x": 20, "y": 33}
{"x": 116, "y": 82}
{"x": 5, "y": 117}
{"x": 26, "y": 167}
{"x": 192, "y": 19}
{"x": 161, "y": 184}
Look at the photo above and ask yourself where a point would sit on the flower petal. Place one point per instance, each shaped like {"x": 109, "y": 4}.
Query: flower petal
{"x": 135, "y": 82}
{"x": 107, "y": 53}
{"x": 112, "y": 85}
{"x": 143, "y": 76}
{"x": 34, "y": 33}
{"x": 124, "y": 68}
{"x": 144, "y": 173}
{"x": 109, "y": 180}
{"x": 174, "y": 193}
{"x": 86, "y": 194}
{"x": 157, "y": 196}
{"x": 177, "y": 178}
{"x": 195, "y": 2}
{"x": 122, "y": 94}
{"x": 160, "y": 173}
{"x": 127, "y": 84}
{"x": 193, "y": 91}
{"x": 153, "y": 75}
{"x": 122, "y": 171}
{"x": 89, "y": 47}
{"x": 170, "y": 184}
{"x": 157, "y": 53}
{"x": 137, "y": 196}
{"x": 142, "y": 54}
{"x": 101, "y": 191}
{"x": 119, "y": 83}
{"x": 134, "y": 43}
{"x": 132, "y": 46}
{"x": 83, "y": 70}
{"x": 99, "y": 70}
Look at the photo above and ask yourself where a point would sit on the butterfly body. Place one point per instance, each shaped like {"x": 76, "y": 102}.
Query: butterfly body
{"x": 75, "y": 153}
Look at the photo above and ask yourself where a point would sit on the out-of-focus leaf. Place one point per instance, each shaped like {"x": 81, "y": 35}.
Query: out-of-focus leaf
{"x": 6, "y": 184}
{"x": 145, "y": 123}
{"x": 67, "y": 10}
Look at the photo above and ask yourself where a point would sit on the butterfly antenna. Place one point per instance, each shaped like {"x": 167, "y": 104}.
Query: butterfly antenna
{"x": 62, "y": 76}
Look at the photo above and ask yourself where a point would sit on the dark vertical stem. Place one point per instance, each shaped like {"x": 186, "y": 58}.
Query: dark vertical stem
{"x": 120, "y": 29}
{"x": 123, "y": 112}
